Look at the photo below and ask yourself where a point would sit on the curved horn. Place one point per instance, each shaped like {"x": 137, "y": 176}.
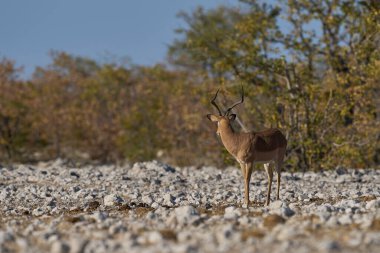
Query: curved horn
{"x": 237, "y": 103}
{"x": 214, "y": 104}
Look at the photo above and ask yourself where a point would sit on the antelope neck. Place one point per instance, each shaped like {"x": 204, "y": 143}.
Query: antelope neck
{"x": 228, "y": 137}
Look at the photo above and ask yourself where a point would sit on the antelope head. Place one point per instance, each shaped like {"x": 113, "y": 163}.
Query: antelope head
{"x": 224, "y": 119}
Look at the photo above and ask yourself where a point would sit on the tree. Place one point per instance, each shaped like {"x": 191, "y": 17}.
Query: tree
{"x": 312, "y": 79}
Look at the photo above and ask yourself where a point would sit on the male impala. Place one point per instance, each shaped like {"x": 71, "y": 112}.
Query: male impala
{"x": 250, "y": 148}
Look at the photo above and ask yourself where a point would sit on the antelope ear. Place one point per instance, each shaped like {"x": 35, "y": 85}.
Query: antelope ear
{"x": 212, "y": 117}
{"x": 232, "y": 117}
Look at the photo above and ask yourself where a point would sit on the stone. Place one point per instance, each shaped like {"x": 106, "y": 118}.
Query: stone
{"x": 77, "y": 245}
{"x": 112, "y": 200}
{"x": 3, "y": 195}
{"x": 169, "y": 199}
{"x": 147, "y": 199}
{"x": 287, "y": 233}
{"x": 329, "y": 246}
{"x": 345, "y": 219}
{"x": 287, "y": 212}
{"x": 60, "y": 247}
{"x": 276, "y": 204}
{"x": 340, "y": 171}
{"x": 154, "y": 237}
{"x": 373, "y": 204}
{"x": 99, "y": 216}
{"x": 153, "y": 207}
{"x": 332, "y": 222}
{"x": 231, "y": 212}
{"x": 6, "y": 237}
{"x": 186, "y": 214}
{"x": 324, "y": 208}
{"x": 303, "y": 197}
{"x": 74, "y": 174}
{"x": 38, "y": 212}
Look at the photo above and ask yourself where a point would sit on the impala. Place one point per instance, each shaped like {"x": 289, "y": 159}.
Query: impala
{"x": 252, "y": 147}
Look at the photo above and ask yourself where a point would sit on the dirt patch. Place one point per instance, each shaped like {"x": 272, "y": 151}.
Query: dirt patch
{"x": 273, "y": 220}
{"x": 214, "y": 211}
{"x": 257, "y": 204}
{"x": 73, "y": 219}
{"x": 246, "y": 234}
{"x": 92, "y": 206}
{"x": 333, "y": 201}
{"x": 142, "y": 211}
{"x": 313, "y": 218}
{"x": 375, "y": 225}
{"x": 366, "y": 198}
{"x": 254, "y": 213}
{"x": 317, "y": 201}
{"x": 168, "y": 234}
{"x": 75, "y": 211}
{"x": 124, "y": 208}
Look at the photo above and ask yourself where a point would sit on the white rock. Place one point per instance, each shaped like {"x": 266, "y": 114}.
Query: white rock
{"x": 60, "y": 247}
{"x": 332, "y": 222}
{"x": 38, "y": 212}
{"x": 328, "y": 246}
{"x": 345, "y": 219}
{"x": 276, "y": 204}
{"x": 99, "y": 216}
{"x": 154, "y": 237}
{"x": 77, "y": 245}
{"x": 169, "y": 199}
{"x": 372, "y": 204}
{"x": 147, "y": 199}
{"x": 287, "y": 212}
{"x": 355, "y": 239}
{"x": 3, "y": 195}
{"x": 231, "y": 212}
{"x": 6, "y": 237}
{"x": 186, "y": 214}
{"x": 112, "y": 200}
{"x": 325, "y": 208}
{"x": 287, "y": 232}
{"x": 303, "y": 197}
{"x": 184, "y": 236}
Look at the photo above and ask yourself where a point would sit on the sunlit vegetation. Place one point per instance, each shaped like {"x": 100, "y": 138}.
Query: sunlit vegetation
{"x": 309, "y": 67}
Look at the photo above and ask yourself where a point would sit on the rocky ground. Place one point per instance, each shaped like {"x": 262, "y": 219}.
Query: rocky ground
{"x": 152, "y": 207}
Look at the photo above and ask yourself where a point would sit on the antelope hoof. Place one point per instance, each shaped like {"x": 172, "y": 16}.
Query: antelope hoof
{"x": 245, "y": 205}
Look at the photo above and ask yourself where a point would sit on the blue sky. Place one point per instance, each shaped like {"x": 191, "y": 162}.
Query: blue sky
{"x": 137, "y": 29}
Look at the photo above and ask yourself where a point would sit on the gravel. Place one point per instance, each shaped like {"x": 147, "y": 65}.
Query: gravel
{"x": 153, "y": 207}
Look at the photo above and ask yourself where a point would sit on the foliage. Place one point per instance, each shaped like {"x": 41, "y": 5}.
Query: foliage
{"x": 311, "y": 68}
{"x": 322, "y": 89}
